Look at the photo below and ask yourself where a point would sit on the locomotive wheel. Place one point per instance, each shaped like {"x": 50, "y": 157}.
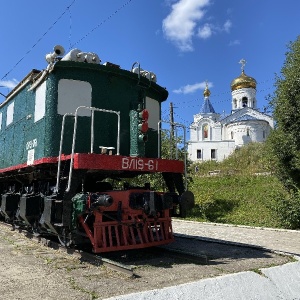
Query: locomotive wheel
{"x": 35, "y": 229}
{"x": 65, "y": 238}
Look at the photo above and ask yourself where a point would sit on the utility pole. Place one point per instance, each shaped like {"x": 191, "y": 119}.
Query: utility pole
{"x": 172, "y": 120}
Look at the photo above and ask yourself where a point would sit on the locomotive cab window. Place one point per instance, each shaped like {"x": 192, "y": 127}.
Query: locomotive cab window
{"x": 10, "y": 113}
{"x": 74, "y": 93}
{"x": 153, "y": 107}
{"x": 40, "y": 100}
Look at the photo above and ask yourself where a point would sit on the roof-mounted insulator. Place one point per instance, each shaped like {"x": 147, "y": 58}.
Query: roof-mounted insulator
{"x": 58, "y": 51}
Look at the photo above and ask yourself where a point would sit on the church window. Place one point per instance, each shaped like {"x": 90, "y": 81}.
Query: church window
{"x": 264, "y": 134}
{"x": 199, "y": 154}
{"x": 248, "y": 132}
{"x": 245, "y": 101}
{"x": 213, "y": 153}
{"x": 234, "y": 103}
{"x": 205, "y": 131}
{"x": 231, "y": 133}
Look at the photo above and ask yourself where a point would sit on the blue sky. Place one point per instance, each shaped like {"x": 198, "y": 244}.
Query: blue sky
{"x": 184, "y": 42}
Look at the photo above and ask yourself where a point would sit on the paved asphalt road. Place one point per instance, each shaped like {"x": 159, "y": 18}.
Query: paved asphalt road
{"x": 280, "y": 282}
{"x": 287, "y": 241}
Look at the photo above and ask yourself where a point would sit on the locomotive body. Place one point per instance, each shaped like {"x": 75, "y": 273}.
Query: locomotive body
{"x": 66, "y": 134}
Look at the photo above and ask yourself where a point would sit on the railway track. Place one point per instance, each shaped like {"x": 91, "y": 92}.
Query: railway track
{"x": 114, "y": 260}
{"x": 185, "y": 260}
{"x": 79, "y": 253}
{"x": 185, "y": 250}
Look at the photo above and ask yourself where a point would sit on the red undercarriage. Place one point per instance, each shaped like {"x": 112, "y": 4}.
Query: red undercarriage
{"x": 135, "y": 229}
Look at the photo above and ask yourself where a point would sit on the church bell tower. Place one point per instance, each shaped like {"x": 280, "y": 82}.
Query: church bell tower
{"x": 243, "y": 90}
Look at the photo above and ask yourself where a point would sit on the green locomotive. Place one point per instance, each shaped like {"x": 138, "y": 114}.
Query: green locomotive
{"x": 66, "y": 133}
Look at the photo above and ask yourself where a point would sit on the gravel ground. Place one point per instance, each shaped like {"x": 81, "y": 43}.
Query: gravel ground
{"x": 31, "y": 271}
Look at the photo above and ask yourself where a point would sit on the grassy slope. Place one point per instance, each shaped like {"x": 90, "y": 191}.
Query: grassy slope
{"x": 237, "y": 195}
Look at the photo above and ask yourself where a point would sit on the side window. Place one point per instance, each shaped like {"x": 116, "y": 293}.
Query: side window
{"x": 74, "y": 93}
{"x": 153, "y": 108}
{"x": 40, "y": 102}
{"x": 10, "y": 113}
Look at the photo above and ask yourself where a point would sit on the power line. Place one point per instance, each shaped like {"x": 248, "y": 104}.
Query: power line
{"x": 197, "y": 101}
{"x": 70, "y": 27}
{"x": 70, "y": 31}
{"x": 34, "y": 45}
{"x": 228, "y": 92}
{"x": 101, "y": 23}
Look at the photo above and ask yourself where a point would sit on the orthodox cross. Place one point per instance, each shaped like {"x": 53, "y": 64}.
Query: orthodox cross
{"x": 243, "y": 63}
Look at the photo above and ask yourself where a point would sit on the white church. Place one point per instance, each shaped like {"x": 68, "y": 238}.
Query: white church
{"x": 215, "y": 137}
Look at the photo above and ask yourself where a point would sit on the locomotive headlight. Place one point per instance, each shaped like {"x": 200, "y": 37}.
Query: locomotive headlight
{"x": 138, "y": 130}
{"x": 144, "y": 115}
{"x": 143, "y": 138}
{"x": 143, "y": 125}
{"x": 104, "y": 200}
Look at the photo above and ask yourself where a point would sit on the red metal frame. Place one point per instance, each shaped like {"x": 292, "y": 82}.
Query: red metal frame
{"x": 110, "y": 162}
{"x": 135, "y": 230}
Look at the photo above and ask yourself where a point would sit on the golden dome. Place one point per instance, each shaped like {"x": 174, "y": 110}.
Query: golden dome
{"x": 206, "y": 92}
{"x": 243, "y": 81}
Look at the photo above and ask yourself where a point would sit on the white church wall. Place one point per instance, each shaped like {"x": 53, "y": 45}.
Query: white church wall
{"x": 246, "y": 132}
{"x": 205, "y": 130}
{"x": 217, "y": 132}
{"x": 194, "y": 133}
{"x": 210, "y": 150}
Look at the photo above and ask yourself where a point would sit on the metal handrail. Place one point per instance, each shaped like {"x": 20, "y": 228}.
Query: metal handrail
{"x": 92, "y": 109}
{"x": 139, "y": 73}
{"x": 175, "y": 125}
{"x": 60, "y": 148}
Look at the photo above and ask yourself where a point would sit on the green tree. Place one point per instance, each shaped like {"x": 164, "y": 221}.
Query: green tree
{"x": 285, "y": 139}
{"x": 168, "y": 150}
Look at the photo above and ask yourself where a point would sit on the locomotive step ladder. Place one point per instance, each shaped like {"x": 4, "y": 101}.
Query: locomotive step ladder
{"x": 75, "y": 116}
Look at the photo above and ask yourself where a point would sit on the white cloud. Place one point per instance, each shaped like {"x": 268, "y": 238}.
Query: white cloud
{"x": 206, "y": 31}
{"x": 227, "y": 26}
{"x": 229, "y": 11}
{"x": 8, "y": 83}
{"x": 192, "y": 88}
{"x": 179, "y": 25}
{"x": 234, "y": 43}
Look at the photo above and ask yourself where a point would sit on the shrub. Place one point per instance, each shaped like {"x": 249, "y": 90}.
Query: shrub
{"x": 287, "y": 208}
